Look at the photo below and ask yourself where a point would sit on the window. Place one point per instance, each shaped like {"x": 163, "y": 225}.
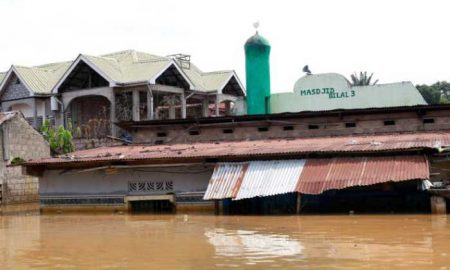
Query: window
{"x": 228, "y": 131}
{"x": 287, "y": 128}
{"x": 17, "y": 81}
{"x": 161, "y": 134}
{"x": 263, "y": 129}
{"x": 350, "y": 125}
{"x": 428, "y": 121}
{"x": 194, "y": 132}
{"x": 389, "y": 122}
{"x": 159, "y": 142}
{"x": 313, "y": 126}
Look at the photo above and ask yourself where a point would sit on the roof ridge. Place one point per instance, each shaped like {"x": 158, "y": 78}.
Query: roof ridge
{"x": 217, "y": 72}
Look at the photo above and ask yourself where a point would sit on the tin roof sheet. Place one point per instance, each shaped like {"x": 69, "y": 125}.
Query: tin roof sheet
{"x": 225, "y": 181}
{"x": 312, "y": 176}
{"x": 320, "y": 175}
{"x": 259, "y": 148}
{"x": 268, "y": 178}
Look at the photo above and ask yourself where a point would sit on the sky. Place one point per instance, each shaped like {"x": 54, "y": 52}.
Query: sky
{"x": 396, "y": 40}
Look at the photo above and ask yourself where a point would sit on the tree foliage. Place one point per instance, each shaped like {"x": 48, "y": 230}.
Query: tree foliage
{"x": 59, "y": 138}
{"x": 437, "y": 93}
{"x": 362, "y": 79}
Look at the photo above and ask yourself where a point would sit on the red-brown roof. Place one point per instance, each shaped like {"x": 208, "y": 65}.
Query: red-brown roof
{"x": 274, "y": 147}
{"x": 243, "y": 180}
{"x": 320, "y": 175}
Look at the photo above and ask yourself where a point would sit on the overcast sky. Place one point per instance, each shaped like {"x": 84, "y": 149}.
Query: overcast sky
{"x": 397, "y": 40}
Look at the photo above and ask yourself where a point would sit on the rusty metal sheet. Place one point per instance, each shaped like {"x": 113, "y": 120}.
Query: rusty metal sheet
{"x": 258, "y": 148}
{"x": 320, "y": 175}
{"x": 225, "y": 181}
{"x": 268, "y": 178}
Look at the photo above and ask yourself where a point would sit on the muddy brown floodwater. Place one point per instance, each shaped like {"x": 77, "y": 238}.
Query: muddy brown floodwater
{"x": 29, "y": 240}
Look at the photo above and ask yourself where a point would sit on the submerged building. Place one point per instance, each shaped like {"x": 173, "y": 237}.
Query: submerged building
{"x": 327, "y": 146}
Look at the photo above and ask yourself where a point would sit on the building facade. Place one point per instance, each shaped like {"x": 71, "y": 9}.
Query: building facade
{"x": 93, "y": 92}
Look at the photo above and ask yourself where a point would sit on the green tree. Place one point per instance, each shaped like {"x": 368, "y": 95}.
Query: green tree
{"x": 60, "y": 139}
{"x": 362, "y": 79}
{"x": 437, "y": 93}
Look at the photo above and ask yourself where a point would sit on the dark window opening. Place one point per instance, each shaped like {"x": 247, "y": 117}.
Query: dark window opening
{"x": 83, "y": 77}
{"x": 389, "y": 122}
{"x": 263, "y": 129}
{"x": 313, "y": 126}
{"x": 161, "y": 134}
{"x": 173, "y": 77}
{"x": 17, "y": 81}
{"x": 428, "y": 121}
{"x": 158, "y": 142}
{"x": 350, "y": 125}
{"x": 152, "y": 206}
{"x": 194, "y": 132}
{"x": 228, "y": 131}
{"x": 286, "y": 128}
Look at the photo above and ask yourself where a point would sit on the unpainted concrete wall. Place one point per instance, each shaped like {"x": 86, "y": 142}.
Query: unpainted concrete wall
{"x": 26, "y": 143}
{"x": 365, "y": 124}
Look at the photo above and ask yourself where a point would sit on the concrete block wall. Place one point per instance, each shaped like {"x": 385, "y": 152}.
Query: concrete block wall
{"x": 19, "y": 188}
{"x": 26, "y": 143}
{"x": 364, "y": 124}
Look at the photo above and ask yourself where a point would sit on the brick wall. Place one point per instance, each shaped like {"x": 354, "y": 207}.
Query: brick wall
{"x": 26, "y": 143}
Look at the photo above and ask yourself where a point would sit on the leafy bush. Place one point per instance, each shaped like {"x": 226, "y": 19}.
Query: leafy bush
{"x": 60, "y": 139}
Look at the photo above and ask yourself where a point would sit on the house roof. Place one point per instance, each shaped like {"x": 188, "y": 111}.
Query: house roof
{"x": 436, "y": 141}
{"x": 2, "y": 75}
{"x": 124, "y": 67}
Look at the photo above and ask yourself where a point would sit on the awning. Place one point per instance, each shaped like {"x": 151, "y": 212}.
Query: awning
{"x": 321, "y": 175}
{"x": 253, "y": 179}
{"x": 313, "y": 176}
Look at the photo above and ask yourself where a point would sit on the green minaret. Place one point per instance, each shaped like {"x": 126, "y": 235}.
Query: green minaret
{"x": 257, "y": 69}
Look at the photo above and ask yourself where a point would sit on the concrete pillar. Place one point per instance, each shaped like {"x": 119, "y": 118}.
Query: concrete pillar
{"x": 227, "y": 107}
{"x": 172, "y": 107}
{"x": 205, "y": 107}
{"x": 112, "y": 114}
{"x": 136, "y": 105}
{"x": 217, "y": 107}
{"x": 35, "y": 113}
{"x": 438, "y": 205}
{"x": 150, "y": 109}
{"x": 183, "y": 106}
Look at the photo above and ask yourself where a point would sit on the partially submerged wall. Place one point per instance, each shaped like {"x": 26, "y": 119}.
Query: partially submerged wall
{"x": 25, "y": 143}
{"x": 111, "y": 187}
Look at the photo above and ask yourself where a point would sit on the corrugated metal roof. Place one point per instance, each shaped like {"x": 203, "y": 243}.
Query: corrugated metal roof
{"x": 225, "y": 181}
{"x": 122, "y": 67}
{"x": 320, "y": 175}
{"x": 259, "y": 148}
{"x": 312, "y": 176}
{"x": 267, "y": 178}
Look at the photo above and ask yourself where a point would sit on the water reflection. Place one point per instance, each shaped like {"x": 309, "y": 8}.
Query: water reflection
{"x": 252, "y": 245}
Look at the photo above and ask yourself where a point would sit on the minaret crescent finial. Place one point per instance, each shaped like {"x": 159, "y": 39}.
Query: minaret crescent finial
{"x": 256, "y": 26}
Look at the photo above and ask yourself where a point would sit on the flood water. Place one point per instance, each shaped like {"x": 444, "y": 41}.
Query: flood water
{"x": 29, "y": 240}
